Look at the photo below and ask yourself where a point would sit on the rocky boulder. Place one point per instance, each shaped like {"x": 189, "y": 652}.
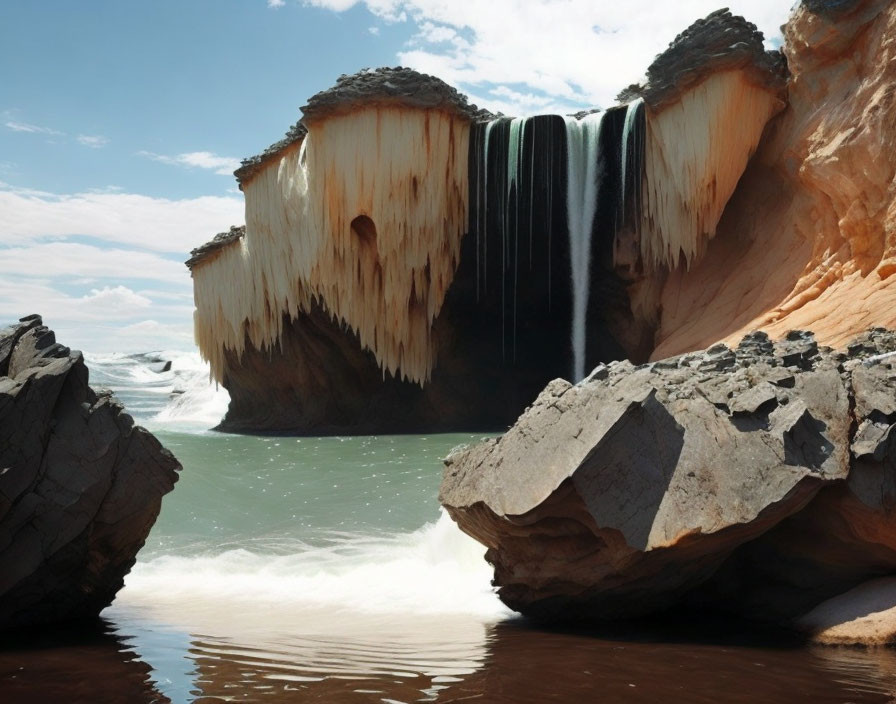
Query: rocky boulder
{"x": 80, "y": 484}
{"x": 758, "y": 479}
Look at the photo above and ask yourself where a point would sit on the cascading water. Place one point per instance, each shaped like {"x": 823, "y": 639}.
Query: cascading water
{"x": 536, "y": 177}
{"x": 511, "y": 176}
{"x": 632, "y": 154}
{"x": 582, "y": 150}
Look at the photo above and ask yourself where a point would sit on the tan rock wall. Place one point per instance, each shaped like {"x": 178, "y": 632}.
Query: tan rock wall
{"x": 808, "y": 240}
{"x": 366, "y": 215}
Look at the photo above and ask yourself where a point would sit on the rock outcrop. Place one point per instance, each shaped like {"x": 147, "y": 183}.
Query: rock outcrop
{"x": 402, "y": 238}
{"x": 80, "y": 485}
{"x": 758, "y": 479}
{"x": 725, "y": 42}
{"x": 382, "y": 87}
{"x": 808, "y": 240}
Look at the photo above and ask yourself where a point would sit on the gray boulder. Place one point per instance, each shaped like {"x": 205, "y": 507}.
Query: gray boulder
{"x": 80, "y": 485}
{"x": 643, "y": 488}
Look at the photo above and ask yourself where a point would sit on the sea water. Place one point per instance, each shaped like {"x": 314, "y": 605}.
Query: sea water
{"x": 323, "y": 569}
{"x": 326, "y": 556}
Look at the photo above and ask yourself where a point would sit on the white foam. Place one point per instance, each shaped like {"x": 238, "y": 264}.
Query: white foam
{"x": 200, "y": 401}
{"x": 436, "y": 570}
{"x": 181, "y": 397}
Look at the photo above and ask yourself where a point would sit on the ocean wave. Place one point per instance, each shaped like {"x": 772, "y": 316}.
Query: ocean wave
{"x": 436, "y": 569}
{"x": 162, "y": 390}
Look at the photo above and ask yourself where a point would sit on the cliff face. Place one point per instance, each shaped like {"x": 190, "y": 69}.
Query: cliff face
{"x": 80, "y": 486}
{"x": 808, "y": 240}
{"x": 399, "y": 237}
{"x": 450, "y": 263}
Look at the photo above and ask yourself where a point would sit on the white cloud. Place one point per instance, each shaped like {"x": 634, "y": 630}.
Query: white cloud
{"x": 335, "y": 5}
{"x": 506, "y": 100}
{"x": 34, "y": 129}
{"x": 95, "y": 141}
{"x": 276, "y": 3}
{"x": 577, "y": 53}
{"x": 85, "y": 261}
{"x": 100, "y": 319}
{"x": 118, "y": 298}
{"x": 97, "y": 308}
{"x": 97, "y": 293}
{"x": 375, "y": 31}
{"x": 153, "y": 335}
{"x": 223, "y": 165}
{"x": 436, "y": 34}
{"x": 157, "y": 224}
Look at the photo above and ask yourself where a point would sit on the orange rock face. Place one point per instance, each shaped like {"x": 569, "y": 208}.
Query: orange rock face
{"x": 808, "y": 240}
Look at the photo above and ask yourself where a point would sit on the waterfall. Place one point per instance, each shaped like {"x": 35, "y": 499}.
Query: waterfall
{"x": 481, "y": 226}
{"x": 582, "y": 152}
{"x": 517, "y": 168}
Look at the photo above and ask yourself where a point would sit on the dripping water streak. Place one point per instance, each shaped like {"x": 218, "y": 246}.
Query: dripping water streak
{"x": 488, "y": 130}
{"x": 550, "y": 209}
{"x": 631, "y": 115}
{"x": 531, "y": 188}
{"x": 583, "y": 143}
{"x": 514, "y": 180}
{"x": 476, "y": 135}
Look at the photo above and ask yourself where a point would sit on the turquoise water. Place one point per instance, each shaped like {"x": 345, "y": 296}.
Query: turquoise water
{"x": 323, "y": 570}
{"x": 271, "y": 492}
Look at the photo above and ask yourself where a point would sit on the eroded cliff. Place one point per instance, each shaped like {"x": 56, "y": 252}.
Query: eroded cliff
{"x": 412, "y": 263}
{"x": 808, "y": 240}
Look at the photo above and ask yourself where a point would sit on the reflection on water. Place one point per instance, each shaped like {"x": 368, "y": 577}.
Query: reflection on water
{"x": 79, "y": 665}
{"x": 344, "y": 657}
{"x": 410, "y": 666}
{"x": 294, "y": 651}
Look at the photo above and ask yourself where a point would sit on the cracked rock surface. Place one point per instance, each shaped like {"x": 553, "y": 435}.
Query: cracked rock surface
{"x": 80, "y": 484}
{"x": 643, "y": 488}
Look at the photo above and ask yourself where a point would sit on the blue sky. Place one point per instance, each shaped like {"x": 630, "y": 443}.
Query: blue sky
{"x": 122, "y": 120}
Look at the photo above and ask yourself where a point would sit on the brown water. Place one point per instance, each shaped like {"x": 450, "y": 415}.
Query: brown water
{"x": 510, "y": 662}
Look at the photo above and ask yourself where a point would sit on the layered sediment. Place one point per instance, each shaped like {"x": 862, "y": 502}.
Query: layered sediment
{"x": 80, "y": 484}
{"x": 808, "y": 240}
